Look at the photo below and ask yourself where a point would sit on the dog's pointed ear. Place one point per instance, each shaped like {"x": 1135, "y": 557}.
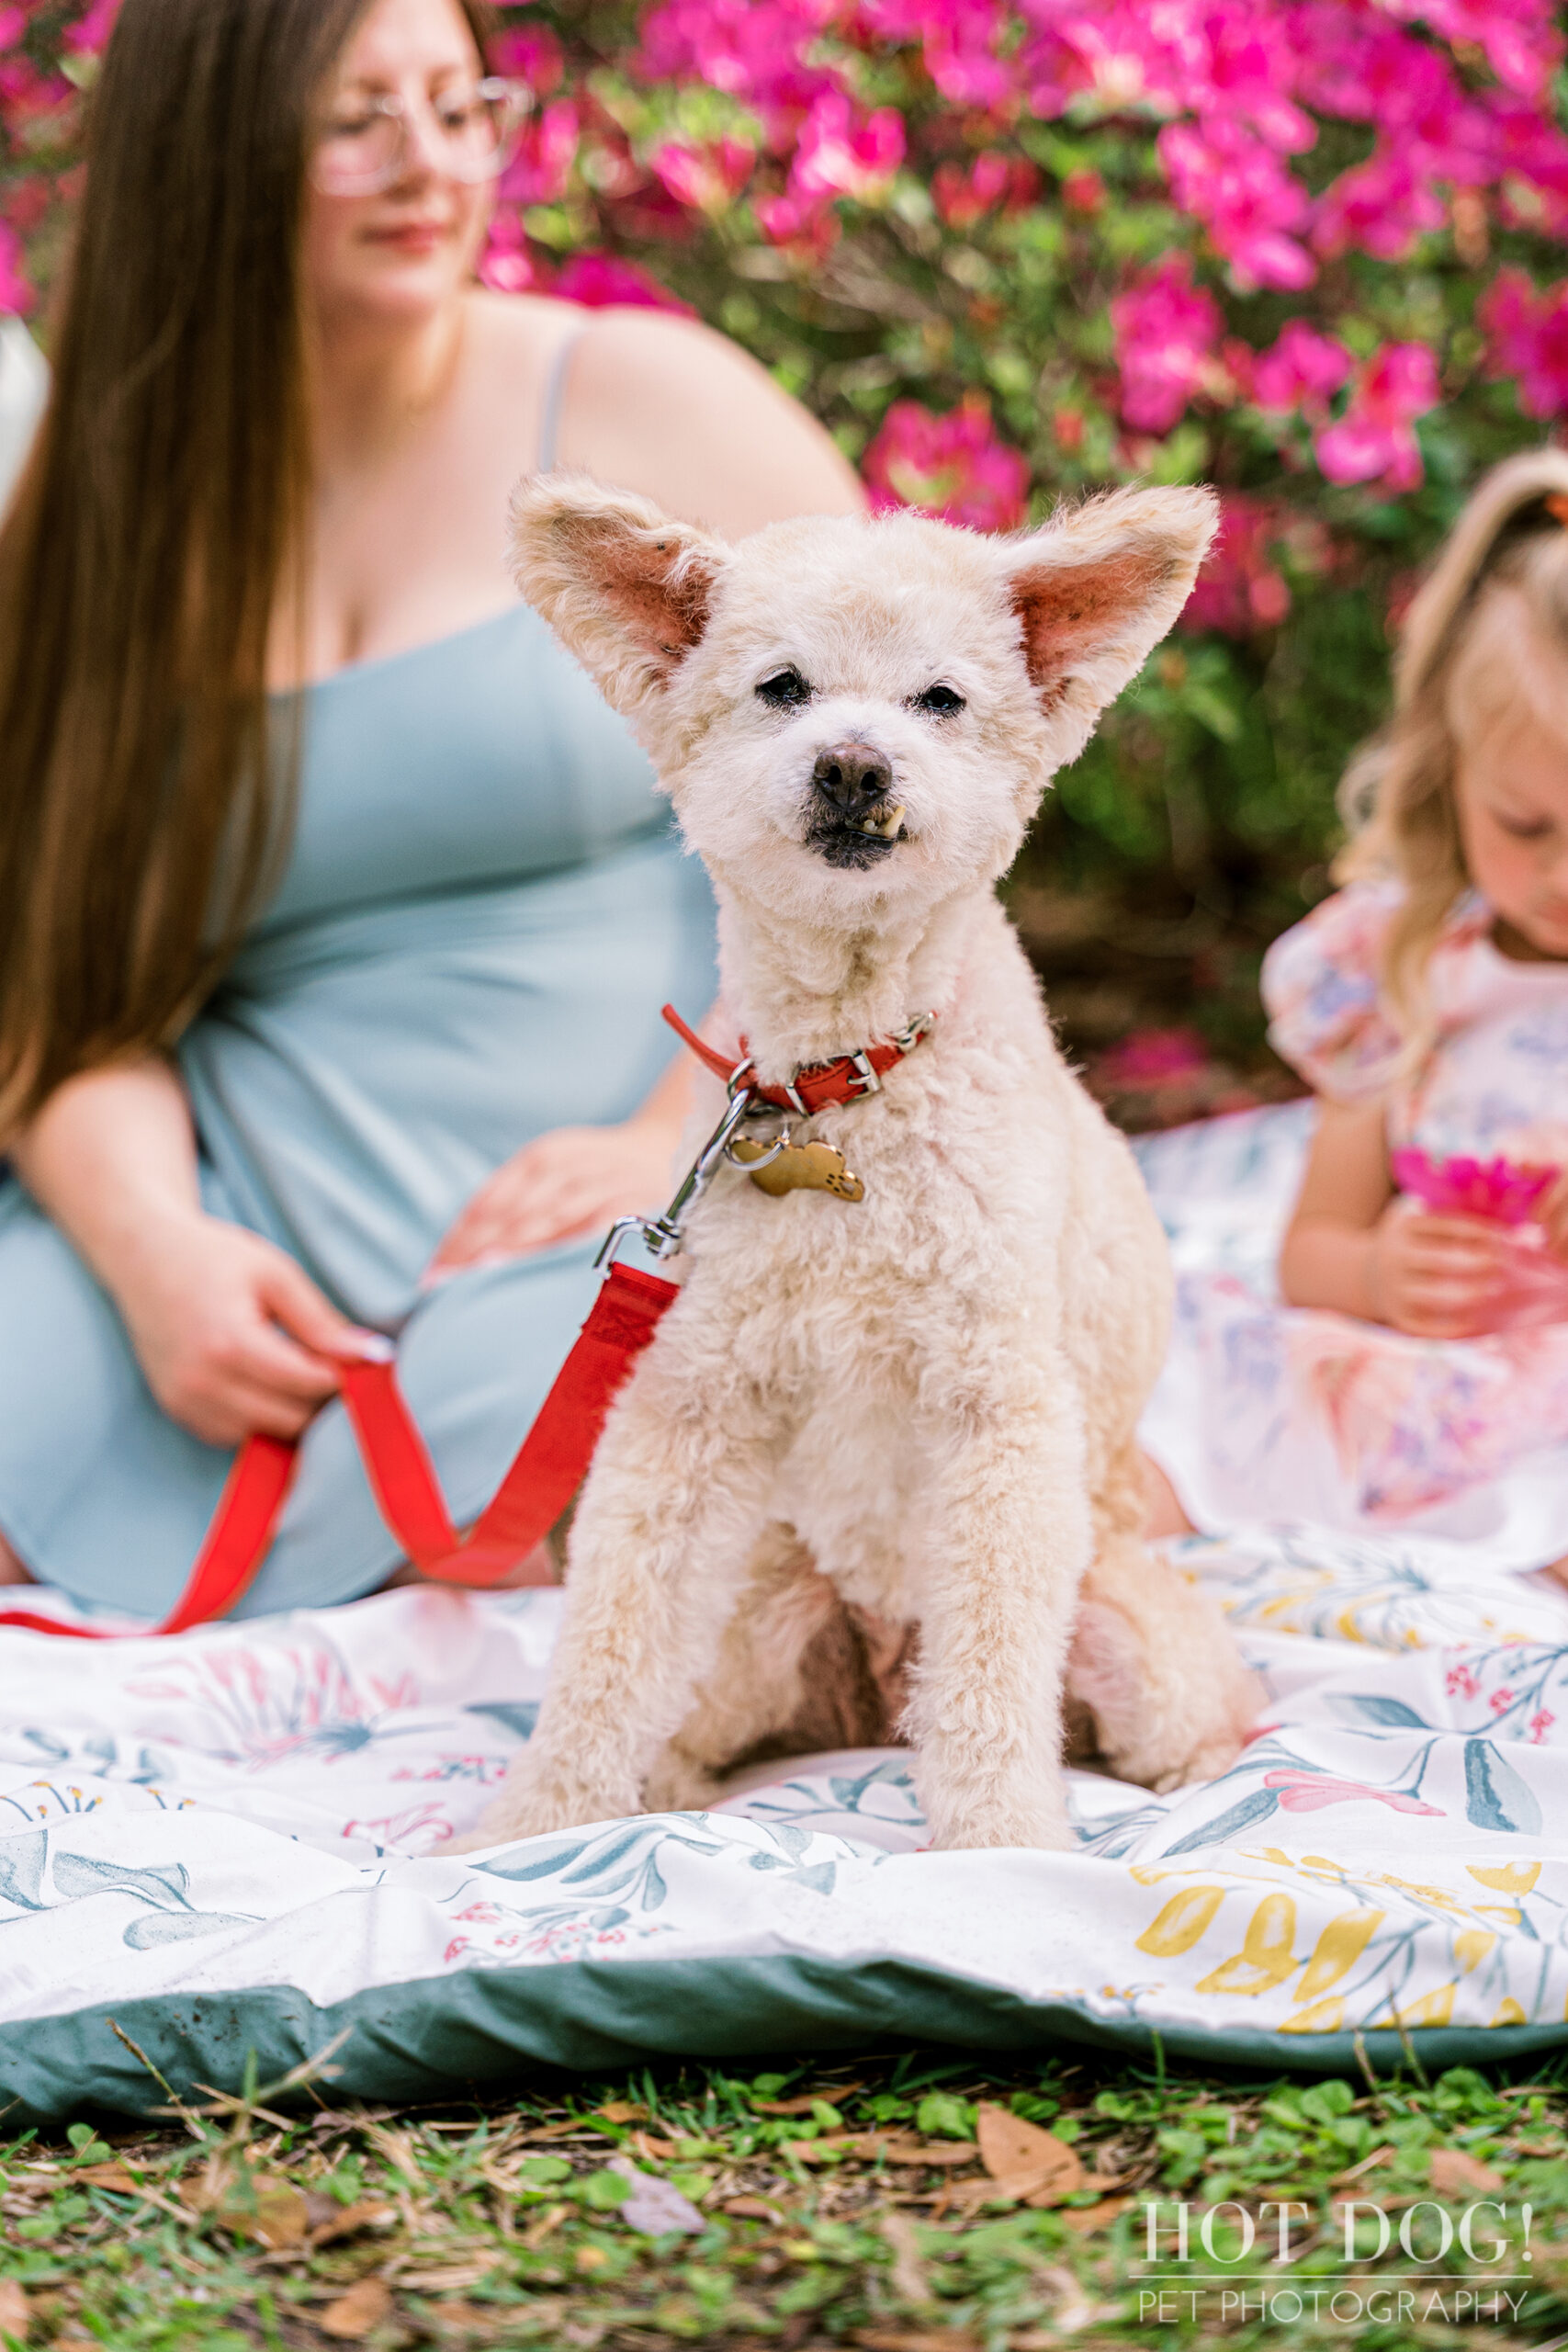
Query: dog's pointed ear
{"x": 1098, "y": 585}
{"x": 626, "y": 589}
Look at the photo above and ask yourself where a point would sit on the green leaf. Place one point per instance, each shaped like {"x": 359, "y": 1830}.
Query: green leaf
{"x": 940, "y": 2115}
{"x": 603, "y": 2192}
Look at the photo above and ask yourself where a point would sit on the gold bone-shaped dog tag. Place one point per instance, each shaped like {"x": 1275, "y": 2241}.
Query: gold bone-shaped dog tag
{"x": 800, "y": 1167}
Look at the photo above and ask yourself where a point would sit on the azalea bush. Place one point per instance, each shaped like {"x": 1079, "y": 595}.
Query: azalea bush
{"x": 1308, "y": 250}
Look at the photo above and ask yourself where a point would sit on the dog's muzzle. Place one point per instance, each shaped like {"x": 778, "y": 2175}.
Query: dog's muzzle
{"x": 853, "y": 818}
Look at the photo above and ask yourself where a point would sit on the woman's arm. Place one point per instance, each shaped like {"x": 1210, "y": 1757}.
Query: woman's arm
{"x": 232, "y": 1334}
{"x": 1352, "y": 1247}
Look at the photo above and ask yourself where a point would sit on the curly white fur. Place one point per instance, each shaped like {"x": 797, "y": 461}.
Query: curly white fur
{"x": 931, "y": 1394}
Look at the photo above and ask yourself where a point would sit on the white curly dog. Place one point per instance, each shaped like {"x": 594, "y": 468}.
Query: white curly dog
{"x": 920, "y": 1402}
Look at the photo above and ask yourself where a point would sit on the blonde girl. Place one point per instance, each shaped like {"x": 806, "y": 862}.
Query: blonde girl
{"x": 1413, "y": 1371}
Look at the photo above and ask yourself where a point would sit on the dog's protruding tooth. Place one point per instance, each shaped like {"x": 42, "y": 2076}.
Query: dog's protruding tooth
{"x": 885, "y": 827}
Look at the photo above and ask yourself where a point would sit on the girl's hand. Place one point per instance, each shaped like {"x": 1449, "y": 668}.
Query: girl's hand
{"x": 233, "y": 1335}
{"x": 1435, "y": 1277}
{"x": 570, "y": 1182}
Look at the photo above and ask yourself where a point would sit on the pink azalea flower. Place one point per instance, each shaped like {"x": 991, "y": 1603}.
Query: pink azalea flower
{"x": 951, "y": 466}
{"x": 959, "y": 39}
{"x": 530, "y": 54}
{"x": 17, "y": 296}
{"x": 1310, "y": 1792}
{"x": 1501, "y": 1701}
{"x": 1240, "y": 589}
{"x": 707, "y": 178}
{"x": 962, "y": 197}
{"x": 1461, "y": 1683}
{"x": 1225, "y": 175}
{"x": 836, "y": 155}
{"x": 599, "y": 280}
{"x": 1302, "y": 369}
{"x": 1084, "y": 190}
{"x": 88, "y": 36}
{"x": 1150, "y": 1058}
{"x": 1166, "y": 330}
{"x": 761, "y": 50}
{"x": 1375, "y": 438}
{"x": 1528, "y": 337}
{"x": 806, "y": 228}
{"x": 1539, "y": 1725}
{"x": 542, "y": 167}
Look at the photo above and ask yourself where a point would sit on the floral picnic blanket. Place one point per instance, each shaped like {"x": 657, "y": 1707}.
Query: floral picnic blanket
{"x": 234, "y": 1841}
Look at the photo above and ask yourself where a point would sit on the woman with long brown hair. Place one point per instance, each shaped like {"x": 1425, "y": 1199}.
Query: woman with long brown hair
{"x": 336, "y": 910}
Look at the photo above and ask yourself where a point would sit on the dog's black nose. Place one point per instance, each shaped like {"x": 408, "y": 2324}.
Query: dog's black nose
{"x": 853, "y": 776}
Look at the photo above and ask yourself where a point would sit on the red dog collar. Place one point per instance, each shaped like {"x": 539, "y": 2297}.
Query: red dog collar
{"x": 815, "y": 1085}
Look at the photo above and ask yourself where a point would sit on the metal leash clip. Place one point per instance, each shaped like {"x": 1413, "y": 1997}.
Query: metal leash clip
{"x": 661, "y": 1235}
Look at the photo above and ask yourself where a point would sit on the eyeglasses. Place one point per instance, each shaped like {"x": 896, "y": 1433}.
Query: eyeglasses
{"x": 363, "y": 145}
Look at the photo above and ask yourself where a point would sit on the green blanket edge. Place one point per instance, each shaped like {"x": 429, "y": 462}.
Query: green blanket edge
{"x": 470, "y": 2033}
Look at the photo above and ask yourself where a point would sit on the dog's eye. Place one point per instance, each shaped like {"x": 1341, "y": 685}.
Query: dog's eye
{"x": 942, "y": 700}
{"x": 784, "y": 690}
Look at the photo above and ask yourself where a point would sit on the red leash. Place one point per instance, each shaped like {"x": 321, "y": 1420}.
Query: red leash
{"x": 546, "y": 1474}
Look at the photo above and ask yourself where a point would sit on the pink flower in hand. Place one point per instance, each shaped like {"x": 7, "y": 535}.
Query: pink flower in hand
{"x": 1375, "y": 438}
{"x": 1507, "y": 1191}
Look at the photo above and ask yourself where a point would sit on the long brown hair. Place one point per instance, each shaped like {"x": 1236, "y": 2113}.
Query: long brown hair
{"x": 161, "y": 518}
{"x": 1485, "y": 639}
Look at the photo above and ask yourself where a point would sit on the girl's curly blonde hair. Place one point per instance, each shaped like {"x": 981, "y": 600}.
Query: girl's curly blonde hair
{"x": 1483, "y": 645}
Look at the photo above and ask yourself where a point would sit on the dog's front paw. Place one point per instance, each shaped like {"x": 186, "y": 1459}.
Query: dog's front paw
{"x": 1001, "y": 1819}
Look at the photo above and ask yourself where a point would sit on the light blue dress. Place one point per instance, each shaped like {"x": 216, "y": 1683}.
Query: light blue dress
{"x": 485, "y": 908}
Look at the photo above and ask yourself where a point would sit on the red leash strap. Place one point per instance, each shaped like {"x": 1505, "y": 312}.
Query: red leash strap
{"x": 231, "y": 1551}
{"x": 549, "y": 1466}
{"x": 546, "y": 1474}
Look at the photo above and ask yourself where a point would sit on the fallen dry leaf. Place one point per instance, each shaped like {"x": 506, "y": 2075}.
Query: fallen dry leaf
{"x": 892, "y": 2150}
{"x": 651, "y": 2148}
{"x": 280, "y": 2219}
{"x": 1536, "y": 2148}
{"x": 16, "y": 2317}
{"x": 806, "y": 2101}
{"x": 1455, "y": 2175}
{"x": 1024, "y": 2161}
{"x": 573, "y": 2127}
{"x": 623, "y": 2111}
{"x": 353, "y": 2316}
{"x": 752, "y": 2208}
{"x": 1085, "y": 2220}
{"x": 111, "y": 2175}
{"x": 910, "y": 2283}
{"x": 916, "y": 2339}
{"x": 347, "y": 2221}
{"x": 451, "y": 2278}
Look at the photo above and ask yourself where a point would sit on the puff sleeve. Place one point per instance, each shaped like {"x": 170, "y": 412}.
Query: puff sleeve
{"x": 1322, "y": 993}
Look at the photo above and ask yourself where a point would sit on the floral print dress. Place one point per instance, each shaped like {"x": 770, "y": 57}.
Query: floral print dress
{"x": 1270, "y": 1415}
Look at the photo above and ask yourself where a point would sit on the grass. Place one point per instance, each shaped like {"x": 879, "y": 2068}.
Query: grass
{"x": 813, "y": 2206}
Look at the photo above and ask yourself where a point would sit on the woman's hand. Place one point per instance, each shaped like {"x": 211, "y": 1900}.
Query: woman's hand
{"x": 570, "y": 1182}
{"x": 233, "y": 1335}
{"x": 1436, "y": 1277}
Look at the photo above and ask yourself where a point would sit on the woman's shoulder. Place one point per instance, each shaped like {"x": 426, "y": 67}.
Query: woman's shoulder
{"x": 1323, "y": 991}
{"x": 664, "y": 404}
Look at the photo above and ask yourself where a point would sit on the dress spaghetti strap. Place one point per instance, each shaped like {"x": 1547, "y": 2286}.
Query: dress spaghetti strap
{"x": 554, "y": 401}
